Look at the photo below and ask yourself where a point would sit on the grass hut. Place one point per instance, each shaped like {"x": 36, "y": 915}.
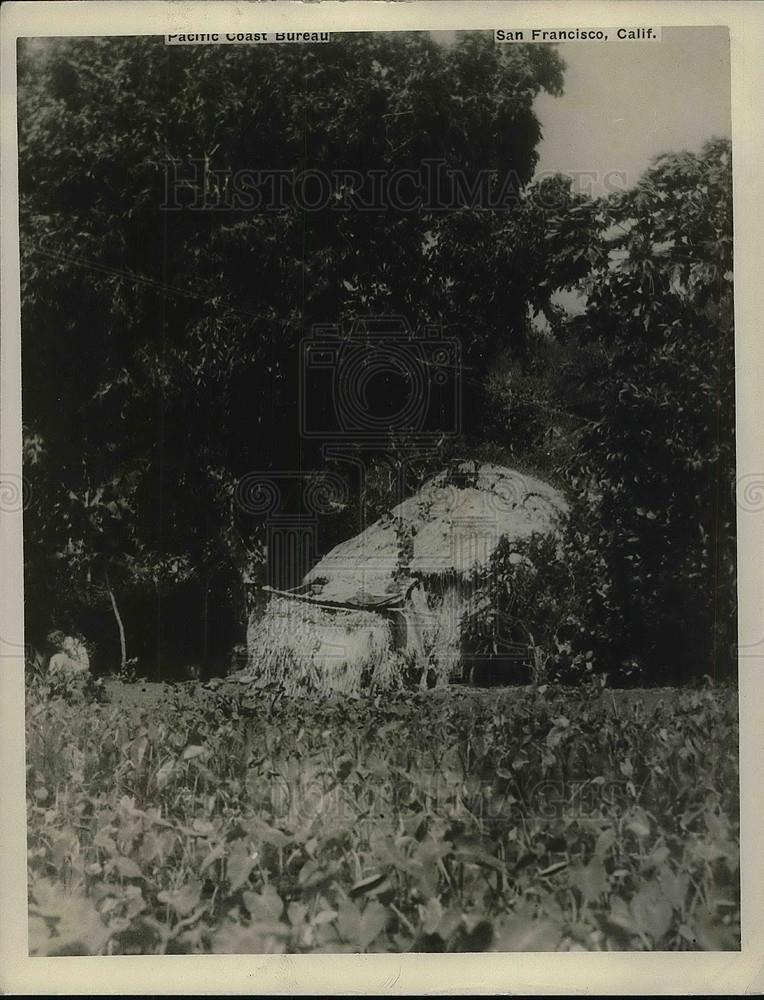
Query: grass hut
{"x": 389, "y": 606}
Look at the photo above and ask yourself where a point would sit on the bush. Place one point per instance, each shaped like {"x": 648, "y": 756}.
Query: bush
{"x": 654, "y": 468}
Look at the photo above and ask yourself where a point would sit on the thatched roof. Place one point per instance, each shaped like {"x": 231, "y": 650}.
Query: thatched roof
{"x": 452, "y": 526}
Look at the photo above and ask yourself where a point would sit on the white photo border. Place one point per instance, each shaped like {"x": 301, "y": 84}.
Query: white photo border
{"x": 542, "y": 974}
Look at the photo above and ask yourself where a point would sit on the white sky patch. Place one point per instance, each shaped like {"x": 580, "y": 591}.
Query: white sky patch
{"x": 625, "y": 104}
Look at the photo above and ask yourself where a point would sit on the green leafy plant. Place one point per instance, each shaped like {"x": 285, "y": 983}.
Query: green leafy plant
{"x": 238, "y": 821}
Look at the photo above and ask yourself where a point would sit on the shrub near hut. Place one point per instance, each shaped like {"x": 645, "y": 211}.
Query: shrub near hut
{"x": 67, "y": 672}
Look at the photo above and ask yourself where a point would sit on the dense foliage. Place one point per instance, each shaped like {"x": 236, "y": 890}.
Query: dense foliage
{"x": 655, "y": 464}
{"x": 643, "y": 585}
{"x": 161, "y": 335}
{"x": 161, "y": 341}
{"x": 542, "y": 819}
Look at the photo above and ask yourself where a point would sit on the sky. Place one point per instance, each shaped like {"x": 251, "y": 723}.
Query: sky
{"x": 626, "y": 102}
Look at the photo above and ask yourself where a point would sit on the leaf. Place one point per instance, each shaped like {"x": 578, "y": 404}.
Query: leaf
{"x": 193, "y": 751}
{"x": 659, "y": 855}
{"x": 135, "y": 903}
{"x": 552, "y": 869}
{"x": 164, "y": 773}
{"x": 348, "y": 919}
{"x": 450, "y": 921}
{"x": 639, "y": 824}
{"x": 372, "y": 923}
{"x": 474, "y": 854}
{"x": 367, "y": 885}
{"x": 519, "y": 934}
{"x": 346, "y": 765}
{"x": 127, "y": 806}
{"x": 239, "y": 866}
{"x": 674, "y": 886}
{"x": 427, "y": 878}
{"x": 265, "y": 833}
{"x": 103, "y": 840}
{"x": 182, "y": 900}
{"x": 590, "y": 880}
{"x": 297, "y": 914}
{"x": 217, "y": 852}
{"x": 688, "y": 934}
{"x": 478, "y": 935}
{"x": 432, "y": 914}
{"x": 39, "y": 936}
{"x": 266, "y": 905}
{"x": 79, "y": 929}
{"x": 652, "y": 912}
{"x": 712, "y": 934}
{"x": 604, "y": 842}
{"x": 259, "y": 939}
{"x": 620, "y": 914}
{"x": 127, "y": 868}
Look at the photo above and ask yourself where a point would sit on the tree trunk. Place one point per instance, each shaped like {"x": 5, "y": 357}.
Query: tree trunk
{"x": 205, "y": 615}
{"x": 120, "y": 626}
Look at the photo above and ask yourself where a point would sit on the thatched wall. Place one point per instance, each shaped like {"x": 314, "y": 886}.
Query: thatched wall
{"x": 309, "y": 647}
{"x": 305, "y": 647}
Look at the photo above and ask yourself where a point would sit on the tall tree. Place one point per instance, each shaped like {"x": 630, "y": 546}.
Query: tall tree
{"x": 161, "y": 321}
{"x": 654, "y": 379}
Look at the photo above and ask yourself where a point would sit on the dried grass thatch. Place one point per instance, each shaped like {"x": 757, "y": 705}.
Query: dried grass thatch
{"x": 452, "y": 527}
{"x": 392, "y": 602}
{"x": 308, "y": 648}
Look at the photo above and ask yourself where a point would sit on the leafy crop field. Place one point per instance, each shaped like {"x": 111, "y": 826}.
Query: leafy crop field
{"x": 517, "y": 819}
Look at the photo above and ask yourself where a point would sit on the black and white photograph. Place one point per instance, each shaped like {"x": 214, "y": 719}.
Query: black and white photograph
{"x": 379, "y": 492}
